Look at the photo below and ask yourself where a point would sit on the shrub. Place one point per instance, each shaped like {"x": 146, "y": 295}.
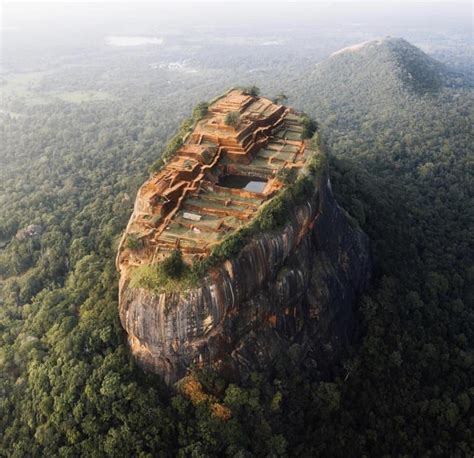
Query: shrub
{"x": 172, "y": 146}
{"x": 200, "y": 111}
{"x": 287, "y": 176}
{"x": 156, "y": 166}
{"x": 252, "y": 90}
{"x": 273, "y": 214}
{"x": 173, "y": 266}
{"x": 144, "y": 277}
{"x": 230, "y": 246}
{"x": 232, "y": 119}
{"x": 133, "y": 242}
{"x": 303, "y": 188}
{"x": 309, "y": 126}
{"x": 316, "y": 164}
{"x": 186, "y": 126}
{"x": 280, "y": 98}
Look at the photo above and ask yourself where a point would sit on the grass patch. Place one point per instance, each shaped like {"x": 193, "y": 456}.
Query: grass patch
{"x": 152, "y": 278}
{"x": 25, "y": 85}
{"x": 168, "y": 276}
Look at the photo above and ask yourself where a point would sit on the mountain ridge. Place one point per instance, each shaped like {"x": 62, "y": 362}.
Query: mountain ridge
{"x": 393, "y": 63}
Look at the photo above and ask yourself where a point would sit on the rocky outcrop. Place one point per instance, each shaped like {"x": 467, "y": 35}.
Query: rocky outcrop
{"x": 297, "y": 284}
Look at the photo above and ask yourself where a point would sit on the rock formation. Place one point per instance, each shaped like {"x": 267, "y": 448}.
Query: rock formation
{"x": 283, "y": 282}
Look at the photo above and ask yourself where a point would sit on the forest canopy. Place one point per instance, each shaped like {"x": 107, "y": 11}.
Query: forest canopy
{"x": 401, "y": 165}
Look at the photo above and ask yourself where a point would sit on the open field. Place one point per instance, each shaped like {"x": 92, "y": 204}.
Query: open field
{"x": 26, "y": 86}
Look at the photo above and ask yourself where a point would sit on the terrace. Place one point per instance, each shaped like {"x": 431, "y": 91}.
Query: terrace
{"x": 217, "y": 180}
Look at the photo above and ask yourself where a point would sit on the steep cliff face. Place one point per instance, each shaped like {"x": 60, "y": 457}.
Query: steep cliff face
{"x": 296, "y": 284}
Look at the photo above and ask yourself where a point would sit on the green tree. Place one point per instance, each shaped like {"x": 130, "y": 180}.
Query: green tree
{"x": 309, "y": 126}
{"x": 232, "y": 118}
{"x": 280, "y": 98}
{"x": 133, "y": 242}
{"x": 200, "y": 110}
{"x": 173, "y": 266}
{"x": 252, "y": 90}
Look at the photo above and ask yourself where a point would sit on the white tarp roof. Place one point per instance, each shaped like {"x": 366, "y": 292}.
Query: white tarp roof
{"x": 192, "y": 216}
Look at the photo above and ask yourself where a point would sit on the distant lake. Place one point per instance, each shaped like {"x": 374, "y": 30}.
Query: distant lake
{"x": 132, "y": 41}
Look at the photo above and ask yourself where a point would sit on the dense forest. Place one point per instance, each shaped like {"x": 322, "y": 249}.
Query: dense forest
{"x": 399, "y": 131}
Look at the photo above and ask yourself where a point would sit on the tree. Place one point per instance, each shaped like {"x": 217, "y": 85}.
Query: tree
{"x": 232, "y": 118}
{"x": 287, "y": 175}
{"x": 173, "y": 265}
{"x": 309, "y": 126}
{"x": 252, "y": 90}
{"x": 134, "y": 243}
{"x": 280, "y": 98}
{"x": 200, "y": 111}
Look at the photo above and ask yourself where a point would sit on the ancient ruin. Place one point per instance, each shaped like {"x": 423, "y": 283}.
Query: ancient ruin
{"x": 269, "y": 257}
{"x": 216, "y": 181}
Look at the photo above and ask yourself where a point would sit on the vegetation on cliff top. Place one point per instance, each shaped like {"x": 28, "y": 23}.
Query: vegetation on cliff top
{"x": 273, "y": 215}
{"x": 170, "y": 275}
{"x": 232, "y": 119}
{"x": 185, "y": 128}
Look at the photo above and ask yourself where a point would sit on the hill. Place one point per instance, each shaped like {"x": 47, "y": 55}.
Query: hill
{"x": 402, "y": 166}
{"x": 390, "y": 97}
{"x": 389, "y": 64}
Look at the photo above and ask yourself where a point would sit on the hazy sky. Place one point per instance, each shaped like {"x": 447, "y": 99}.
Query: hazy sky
{"x": 62, "y": 22}
{"x": 241, "y": 1}
{"x": 34, "y": 10}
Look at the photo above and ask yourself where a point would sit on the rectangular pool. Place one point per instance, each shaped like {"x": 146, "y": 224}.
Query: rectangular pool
{"x": 252, "y": 184}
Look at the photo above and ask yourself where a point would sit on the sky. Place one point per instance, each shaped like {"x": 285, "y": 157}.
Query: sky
{"x": 72, "y": 21}
{"x": 241, "y": 1}
{"x": 260, "y": 7}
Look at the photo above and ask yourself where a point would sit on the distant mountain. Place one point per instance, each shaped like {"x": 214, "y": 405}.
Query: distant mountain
{"x": 375, "y": 77}
{"x": 387, "y": 64}
{"x": 375, "y": 98}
